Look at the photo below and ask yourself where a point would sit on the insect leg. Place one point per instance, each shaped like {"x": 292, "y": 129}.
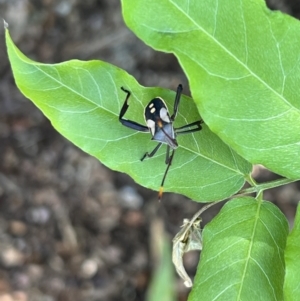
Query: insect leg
{"x": 167, "y": 154}
{"x": 176, "y": 102}
{"x": 149, "y": 155}
{"x": 196, "y": 123}
{"x": 161, "y": 189}
{"x": 125, "y": 105}
{"x": 129, "y": 123}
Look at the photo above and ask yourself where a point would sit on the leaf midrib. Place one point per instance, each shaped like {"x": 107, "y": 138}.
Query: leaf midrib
{"x": 251, "y": 245}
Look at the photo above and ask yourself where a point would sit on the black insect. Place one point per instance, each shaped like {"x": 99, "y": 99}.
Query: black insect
{"x": 160, "y": 125}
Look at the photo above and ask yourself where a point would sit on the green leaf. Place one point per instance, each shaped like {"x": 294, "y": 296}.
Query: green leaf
{"x": 243, "y": 253}
{"x": 243, "y": 65}
{"x": 83, "y": 101}
{"x": 292, "y": 261}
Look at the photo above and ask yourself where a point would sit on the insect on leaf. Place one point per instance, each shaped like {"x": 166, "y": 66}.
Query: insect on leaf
{"x": 83, "y": 101}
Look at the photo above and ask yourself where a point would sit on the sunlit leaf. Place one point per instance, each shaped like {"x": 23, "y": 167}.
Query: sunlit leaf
{"x": 243, "y": 253}
{"x": 243, "y": 65}
{"x": 292, "y": 260}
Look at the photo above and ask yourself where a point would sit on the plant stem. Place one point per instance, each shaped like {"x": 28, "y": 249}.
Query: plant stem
{"x": 268, "y": 185}
{"x": 258, "y": 189}
{"x": 198, "y": 213}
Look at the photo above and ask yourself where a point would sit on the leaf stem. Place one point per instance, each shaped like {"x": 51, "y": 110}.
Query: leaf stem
{"x": 250, "y": 180}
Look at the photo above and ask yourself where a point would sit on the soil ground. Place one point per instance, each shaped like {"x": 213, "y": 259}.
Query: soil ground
{"x": 71, "y": 229}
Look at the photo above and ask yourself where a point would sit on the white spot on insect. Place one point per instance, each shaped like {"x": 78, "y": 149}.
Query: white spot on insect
{"x": 152, "y": 110}
{"x": 151, "y": 126}
{"x": 151, "y": 105}
{"x": 163, "y": 113}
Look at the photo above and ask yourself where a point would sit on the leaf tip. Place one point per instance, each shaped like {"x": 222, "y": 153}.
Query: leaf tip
{"x": 5, "y": 24}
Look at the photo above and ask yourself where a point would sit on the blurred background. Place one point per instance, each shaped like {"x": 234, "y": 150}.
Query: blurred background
{"x": 71, "y": 229}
